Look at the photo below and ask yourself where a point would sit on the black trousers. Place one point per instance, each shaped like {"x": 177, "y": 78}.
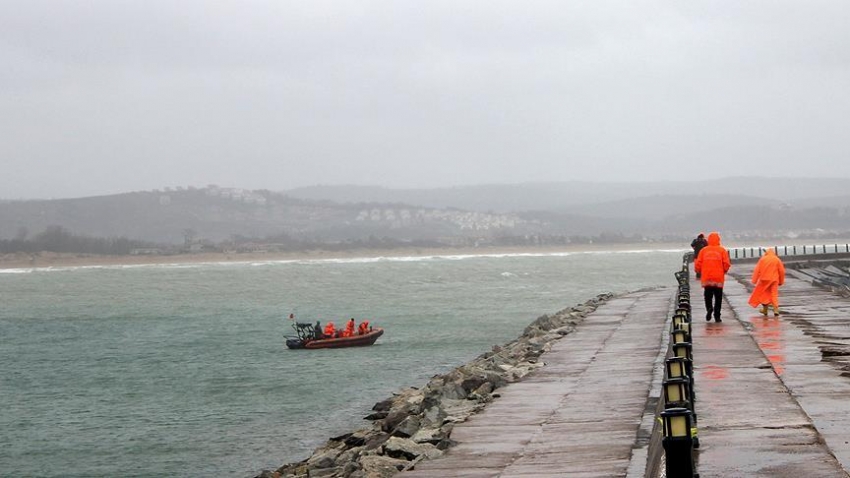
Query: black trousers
{"x": 715, "y": 295}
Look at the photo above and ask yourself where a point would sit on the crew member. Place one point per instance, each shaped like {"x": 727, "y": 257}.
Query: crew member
{"x": 349, "y": 328}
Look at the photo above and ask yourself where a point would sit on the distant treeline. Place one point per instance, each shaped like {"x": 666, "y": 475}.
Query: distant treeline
{"x": 59, "y": 239}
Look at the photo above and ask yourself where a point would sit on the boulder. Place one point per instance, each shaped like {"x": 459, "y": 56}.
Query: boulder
{"x": 383, "y": 405}
{"x": 376, "y": 466}
{"x": 348, "y": 456}
{"x": 472, "y": 383}
{"x": 324, "y": 457}
{"x": 432, "y": 435}
{"x": 433, "y": 416}
{"x": 375, "y": 440}
{"x": 483, "y": 392}
{"x": 324, "y": 472}
{"x": 376, "y": 416}
{"x": 268, "y": 474}
{"x": 394, "y": 419}
{"x": 408, "y": 449}
{"x": 407, "y": 427}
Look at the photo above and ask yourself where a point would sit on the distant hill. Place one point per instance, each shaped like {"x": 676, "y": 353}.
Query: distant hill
{"x": 570, "y": 195}
{"x": 653, "y": 208}
{"x": 219, "y": 214}
{"x": 495, "y": 214}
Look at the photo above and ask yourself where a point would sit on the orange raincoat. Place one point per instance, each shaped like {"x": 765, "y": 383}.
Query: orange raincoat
{"x": 768, "y": 275}
{"x": 713, "y": 262}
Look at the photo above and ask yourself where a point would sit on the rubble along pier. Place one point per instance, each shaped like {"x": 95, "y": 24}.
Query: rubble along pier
{"x": 772, "y": 393}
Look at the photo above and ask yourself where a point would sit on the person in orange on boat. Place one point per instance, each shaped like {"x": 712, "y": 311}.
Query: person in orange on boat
{"x": 712, "y": 264}
{"x": 329, "y": 331}
{"x": 768, "y": 275}
{"x": 363, "y": 328}
{"x": 349, "y": 328}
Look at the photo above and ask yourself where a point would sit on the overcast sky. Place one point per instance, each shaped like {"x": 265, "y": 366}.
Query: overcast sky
{"x": 104, "y": 96}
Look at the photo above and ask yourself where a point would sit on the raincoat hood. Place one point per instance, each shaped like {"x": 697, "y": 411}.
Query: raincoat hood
{"x": 714, "y": 239}
{"x": 769, "y": 252}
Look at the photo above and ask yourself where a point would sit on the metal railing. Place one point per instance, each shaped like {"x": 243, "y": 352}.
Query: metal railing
{"x": 788, "y": 251}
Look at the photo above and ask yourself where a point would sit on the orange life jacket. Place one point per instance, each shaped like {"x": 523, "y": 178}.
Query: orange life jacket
{"x": 329, "y": 330}
{"x": 349, "y": 329}
{"x": 363, "y": 327}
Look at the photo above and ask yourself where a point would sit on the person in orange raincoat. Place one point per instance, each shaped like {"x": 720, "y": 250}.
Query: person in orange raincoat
{"x": 768, "y": 275}
{"x": 349, "y": 328}
{"x": 712, "y": 264}
{"x": 329, "y": 331}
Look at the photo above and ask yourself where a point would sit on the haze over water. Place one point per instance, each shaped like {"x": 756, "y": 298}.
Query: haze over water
{"x": 181, "y": 369}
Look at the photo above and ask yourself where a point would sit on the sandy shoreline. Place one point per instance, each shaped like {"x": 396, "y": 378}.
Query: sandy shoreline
{"x": 53, "y": 259}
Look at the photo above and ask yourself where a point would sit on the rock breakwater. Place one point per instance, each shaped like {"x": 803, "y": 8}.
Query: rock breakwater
{"x": 416, "y": 423}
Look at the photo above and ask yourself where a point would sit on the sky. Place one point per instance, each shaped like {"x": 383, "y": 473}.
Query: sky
{"x": 106, "y": 96}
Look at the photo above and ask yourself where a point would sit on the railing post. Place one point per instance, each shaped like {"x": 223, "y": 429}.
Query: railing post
{"x": 678, "y": 443}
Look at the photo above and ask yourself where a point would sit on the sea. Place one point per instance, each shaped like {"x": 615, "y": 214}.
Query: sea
{"x": 181, "y": 369}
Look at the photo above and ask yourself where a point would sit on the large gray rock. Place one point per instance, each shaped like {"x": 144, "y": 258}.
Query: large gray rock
{"x": 349, "y": 456}
{"x": 326, "y": 456}
{"x": 432, "y": 435}
{"x": 407, "y": 427}
{"x": 433, "y": 416}
{"x": 408, "y": 449}
{"x": 325, "y": 472}
{"x": 376, "y": 466}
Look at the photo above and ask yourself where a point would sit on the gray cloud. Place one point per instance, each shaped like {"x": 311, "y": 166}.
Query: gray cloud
{"x": 107, "y": 96}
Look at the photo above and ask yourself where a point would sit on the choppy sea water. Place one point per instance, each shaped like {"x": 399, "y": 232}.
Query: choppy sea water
{"x": 177, "y": 370}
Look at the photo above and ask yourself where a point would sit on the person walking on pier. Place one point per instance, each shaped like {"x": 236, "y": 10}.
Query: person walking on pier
{"x": 697, "y": 245}
{"x": 768, "y": 275}
{"x": 712, "y": 264}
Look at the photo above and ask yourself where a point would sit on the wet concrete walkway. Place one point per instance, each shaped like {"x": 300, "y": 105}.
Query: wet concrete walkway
{"x": 750, "y": 424}
{"x": 580, "y": 414}
{"x": 767, "y": 403}
{"x": 773, "y": 394}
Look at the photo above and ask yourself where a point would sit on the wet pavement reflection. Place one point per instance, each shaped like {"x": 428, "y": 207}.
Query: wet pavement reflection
{"x": 769, "y": 336}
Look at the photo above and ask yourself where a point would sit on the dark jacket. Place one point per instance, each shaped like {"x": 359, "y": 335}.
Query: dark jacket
{"x": 697, "y": 245}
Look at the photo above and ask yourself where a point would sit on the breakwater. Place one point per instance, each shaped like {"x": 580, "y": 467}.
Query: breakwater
{"x": 416, "y": 423}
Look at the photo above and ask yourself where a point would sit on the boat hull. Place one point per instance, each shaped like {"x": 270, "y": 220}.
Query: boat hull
{"x": 339, "y": 342}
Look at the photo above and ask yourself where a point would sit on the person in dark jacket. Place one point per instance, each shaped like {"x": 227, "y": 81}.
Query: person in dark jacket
{"x": 697, "y": 245}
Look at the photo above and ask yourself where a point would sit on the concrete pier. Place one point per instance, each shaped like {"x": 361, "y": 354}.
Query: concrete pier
{"x": 773, "y": 394}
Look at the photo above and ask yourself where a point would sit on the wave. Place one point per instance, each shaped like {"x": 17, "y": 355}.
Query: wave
{"x": 347, "y": 260}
